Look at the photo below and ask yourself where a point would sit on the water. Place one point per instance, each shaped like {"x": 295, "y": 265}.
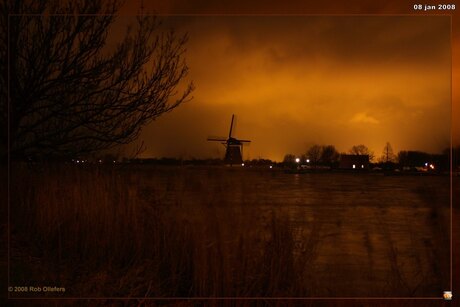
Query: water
{"x": 367, "y": 234}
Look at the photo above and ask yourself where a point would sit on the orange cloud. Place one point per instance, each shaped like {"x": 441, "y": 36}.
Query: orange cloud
{"x": 364, "y": 118}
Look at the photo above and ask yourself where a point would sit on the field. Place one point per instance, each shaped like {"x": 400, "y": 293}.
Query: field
{"x": 144, "y": 231}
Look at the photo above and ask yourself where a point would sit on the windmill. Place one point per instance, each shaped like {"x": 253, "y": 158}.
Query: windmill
{"x": 233, "y": 146}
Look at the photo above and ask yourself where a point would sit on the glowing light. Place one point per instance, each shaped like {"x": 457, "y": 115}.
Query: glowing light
{"x": 271, "y": 166}
{"x": 426, "y": 164}
{"x": 297, "y": 160}
{"x": 362, "y": 165}
{"x": 431, "y": 166}
{"x": 78, "y": 161}
{"x": 308, "y": 160}
{"x": 447, "y": 295}
{"x": 242, "y": 164}
{"x": 354, "y": 166}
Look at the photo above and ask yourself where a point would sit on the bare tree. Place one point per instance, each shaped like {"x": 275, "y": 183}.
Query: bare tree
{"x": 362, "y": 150}
{"x": 314, "y": 154}
{"x": 289, "y": 159}
{"x": 69, "y": 92}
{"x": 329, "y": 154}
{"x": 388, "y": 155}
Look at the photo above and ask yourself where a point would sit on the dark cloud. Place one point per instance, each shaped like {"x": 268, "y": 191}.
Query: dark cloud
{"x": 266, "y": 6}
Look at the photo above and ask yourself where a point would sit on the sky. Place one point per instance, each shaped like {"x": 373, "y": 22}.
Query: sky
{"x": 298, "y": 80}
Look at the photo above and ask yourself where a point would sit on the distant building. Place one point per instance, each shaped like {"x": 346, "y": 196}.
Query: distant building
{"x": 357, "y": 162}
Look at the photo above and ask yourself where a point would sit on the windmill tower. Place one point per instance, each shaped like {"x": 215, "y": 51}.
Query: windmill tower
{"x": 233, "y": 146}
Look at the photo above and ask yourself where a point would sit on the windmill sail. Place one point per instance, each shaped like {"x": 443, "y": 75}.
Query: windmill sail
{"x": 231, "y": 127}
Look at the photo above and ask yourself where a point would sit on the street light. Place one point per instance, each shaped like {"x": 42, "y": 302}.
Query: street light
{"x": 297, "y": 160}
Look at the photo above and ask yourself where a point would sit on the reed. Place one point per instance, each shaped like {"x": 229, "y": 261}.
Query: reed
{"x": 107, "y": 231}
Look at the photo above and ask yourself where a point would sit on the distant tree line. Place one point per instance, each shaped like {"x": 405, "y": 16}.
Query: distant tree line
{"x": 327, "y": 155}
{"x": 418, "y": 158}
{"x": 174, "y": 161}
{"x": 315, "y": 156}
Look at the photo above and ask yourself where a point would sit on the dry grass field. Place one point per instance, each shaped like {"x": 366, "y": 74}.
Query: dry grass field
{"x": 145, "y": 231}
